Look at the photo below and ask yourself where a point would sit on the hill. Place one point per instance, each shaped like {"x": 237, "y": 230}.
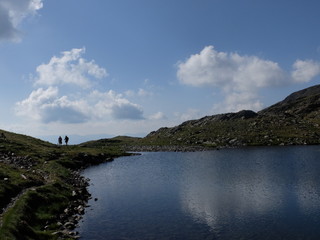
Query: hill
{"x": 293, "y": 121}
{"x": 42, "y": 194}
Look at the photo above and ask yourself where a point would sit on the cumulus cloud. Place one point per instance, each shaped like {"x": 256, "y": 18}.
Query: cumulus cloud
{"x": 304, "y": 71}
{"x": 240, "y": 76}
{"x": 234, "y": 102}
{"x": 51, "y": 101}
{"x": 47, "y": 106}
{"x": 111, "y": 103}
{"x": 12, "y": 12}
{"x": 70, "y": 68}
{"x": 220, "y": 69}
{"x": 127, "y": 110}
{"x": 35, "y": 101}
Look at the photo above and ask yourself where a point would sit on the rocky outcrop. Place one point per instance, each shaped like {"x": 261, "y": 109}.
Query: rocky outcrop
{"x": 293, "y": 121}
{"x": 17, "y": 161}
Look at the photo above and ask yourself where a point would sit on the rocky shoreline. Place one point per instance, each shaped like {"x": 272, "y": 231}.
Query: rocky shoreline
{"x": 68, "y": 220}
{"x": 167, "y": 148}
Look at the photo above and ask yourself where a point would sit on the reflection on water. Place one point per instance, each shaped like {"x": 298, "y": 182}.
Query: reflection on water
{"x": 250, "y": 193}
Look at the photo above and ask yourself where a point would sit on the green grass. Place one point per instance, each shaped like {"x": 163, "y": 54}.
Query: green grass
{"x": 35, "y": 208}
{"x": 46, "y": 185}
{"x": 251, "y": 132}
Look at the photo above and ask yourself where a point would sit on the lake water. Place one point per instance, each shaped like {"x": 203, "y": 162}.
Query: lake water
{"x": 249, "y": 193}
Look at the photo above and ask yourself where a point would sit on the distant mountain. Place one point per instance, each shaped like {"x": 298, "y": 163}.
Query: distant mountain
{"x": 293, "y": 121}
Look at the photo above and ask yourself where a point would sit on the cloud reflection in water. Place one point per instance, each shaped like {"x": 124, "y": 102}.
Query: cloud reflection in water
{"x": 250, "y": 186}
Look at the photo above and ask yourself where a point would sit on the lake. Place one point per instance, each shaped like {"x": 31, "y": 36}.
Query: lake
{"x": 247, "y": 193}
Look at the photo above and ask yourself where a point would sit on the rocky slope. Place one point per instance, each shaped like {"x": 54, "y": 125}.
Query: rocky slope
{"x": 301, "y": 104}
{"x": 293, "y": 121}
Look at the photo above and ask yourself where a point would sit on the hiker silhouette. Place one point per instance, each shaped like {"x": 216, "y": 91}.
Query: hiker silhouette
{"x": 60, "y": 140}
{"x": 66, "y": 139}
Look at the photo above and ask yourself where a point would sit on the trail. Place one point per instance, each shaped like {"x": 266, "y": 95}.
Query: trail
{"x": 13, "y": 202}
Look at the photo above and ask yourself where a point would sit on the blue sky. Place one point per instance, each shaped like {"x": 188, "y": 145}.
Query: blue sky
{"x": 105, "y": 68}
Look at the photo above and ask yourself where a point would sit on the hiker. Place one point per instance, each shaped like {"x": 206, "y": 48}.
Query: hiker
{"x": 66, "y": 139}
{"x": 60, "y": 140}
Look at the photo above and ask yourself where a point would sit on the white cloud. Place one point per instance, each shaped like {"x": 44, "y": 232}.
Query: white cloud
{"x": 56, "y": 103}
{"x": 304, "y": 71}
{"x": 38, "y": 98}
{"x": 234, "y": 102}
{"x": 46, "y": 106}
{"x": 126, "y": 110}
{"x": 110, "y": 103}
{"x": 12, "y": 12}
{"x": 70, "y": 68}
{"x": 65, "y": 110}
{"x": 240, "y": 77}
{"x": 158, "y": 116}
{"x": 225, "y": 70}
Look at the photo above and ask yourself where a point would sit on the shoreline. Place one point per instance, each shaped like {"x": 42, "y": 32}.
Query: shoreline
{"x": 68, "y": 220}
{"x": 50, "y": 208}
{"x": 73, "y": 213}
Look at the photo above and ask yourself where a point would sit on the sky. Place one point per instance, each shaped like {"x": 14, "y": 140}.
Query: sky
{"x": 99, "y": 68}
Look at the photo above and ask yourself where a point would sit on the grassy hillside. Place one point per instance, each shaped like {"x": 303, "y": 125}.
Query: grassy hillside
{"x": 293, "y": 121}
{"x": 38, "y": 182}
{"x": 260, "y": 130}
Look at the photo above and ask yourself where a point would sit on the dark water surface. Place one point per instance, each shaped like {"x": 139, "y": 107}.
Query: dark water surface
{"x": 249, "y": 193}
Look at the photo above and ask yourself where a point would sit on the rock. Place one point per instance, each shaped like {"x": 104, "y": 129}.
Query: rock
{"x": 80, "y": 209}
{"x": 69, "y": 225}
{"x": 56, "y": 233}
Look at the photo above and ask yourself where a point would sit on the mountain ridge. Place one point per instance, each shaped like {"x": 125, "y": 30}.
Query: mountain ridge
{"x": 292, "y": 121}
{"x": 300, "y": 102}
